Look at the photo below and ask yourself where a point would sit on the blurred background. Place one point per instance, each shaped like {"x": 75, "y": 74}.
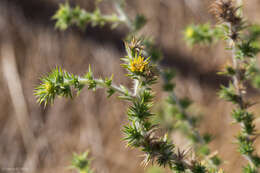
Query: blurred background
{"x": 34, "y": 139}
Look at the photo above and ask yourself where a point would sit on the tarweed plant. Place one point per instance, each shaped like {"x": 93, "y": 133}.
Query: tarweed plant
{"x": 139, "y": 132}
{"x": 142, "y": 63}
{"x": 242, "y": 42}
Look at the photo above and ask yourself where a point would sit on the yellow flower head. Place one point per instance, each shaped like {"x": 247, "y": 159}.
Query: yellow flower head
{"x": 189, "y": 32}
{"x": 138, "y": 64}
{"x": 48, "y": 87}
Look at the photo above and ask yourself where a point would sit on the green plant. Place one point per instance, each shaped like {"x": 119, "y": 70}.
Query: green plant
{"x": 187, "y": 123}
{"x": 61, "y": 83}
{"x": 139, "y": 132}
{"x": 142, "y": 64}
{"x": 243, "y": 44}
{"x": 81, "y": 163}
{"x": 202, "y": 34}
{"x": 180, "y": 119}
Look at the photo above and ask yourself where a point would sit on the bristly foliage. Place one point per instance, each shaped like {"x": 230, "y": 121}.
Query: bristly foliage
{"x": 243, "y": 60}
{"x": 140, "y": 63}
{"x": 140, "y": 132}
{"x": 81, "y": 163}
{"x": 244, "y": 54}
{"x": 225, "y": 11}
{"x": 202, "y": 34}
{"x": 62, "y": 83}
{"x": 67, "y": 16}
{"x": 135, "y": 50}
{"x": 188, "y": 122}
{"x": 58, "y": 82}
{"x": 176, "y": 116}
{"x": 243, "y": 41}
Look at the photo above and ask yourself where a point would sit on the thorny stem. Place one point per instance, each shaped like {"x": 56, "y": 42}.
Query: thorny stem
{"x": 237, "y": 82}
{"x": 110, "y": 19}
{"x": 174, "y": 96}
{"x": 191, "y": 127}
{"x": 165, "y": 151}
{"x": 174, "y": 158}
{"x": 101, "y": 82}
{"x": 188, "y": 120}
{"x": 136, "y": 87}
{"x": 122, "y": 15}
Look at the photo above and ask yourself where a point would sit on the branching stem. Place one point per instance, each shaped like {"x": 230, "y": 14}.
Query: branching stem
{"x": 102, "y": 84}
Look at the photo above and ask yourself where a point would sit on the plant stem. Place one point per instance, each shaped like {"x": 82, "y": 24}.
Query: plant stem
{"x": 101, "y": 83}
{"x": 188, "y": 119}
{"x": 122, "y": 15}
{"x": 238, "y": 82}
